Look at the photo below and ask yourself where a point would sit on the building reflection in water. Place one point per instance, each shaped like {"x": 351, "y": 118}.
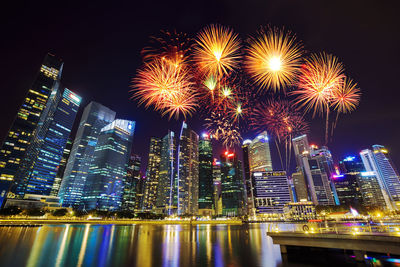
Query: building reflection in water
{"x": 138, "y": 245}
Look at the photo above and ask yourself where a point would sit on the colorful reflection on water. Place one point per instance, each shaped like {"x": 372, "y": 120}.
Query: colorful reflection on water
{"x": 138, "y": 245}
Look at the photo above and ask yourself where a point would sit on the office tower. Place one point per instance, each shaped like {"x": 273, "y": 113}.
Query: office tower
{"x": 166, "y": 190}
{"x": 61, "y": 168}
{"x": 348, "y": 189}
{"x": 105, "y": 182}
{"x": 260, "y": 154}
{"x": 95, "y": 116}
{"x": 132, "y": 185}
{"x": 378, "y": 161}
{"x": 259, "y": 160}
{"x": 300, "y": 186}
{"x": 351, "y": 164}
{"x": 39, "y": 167}
{"x": 271, "y": 191}
{"x": 232, "y": 187}
{"x": 371, "y": 191}
{"x": 247, "y": 177}
{"x": 152, "y": 174}
{"x": 187, "y": 171}
{"x": 18, "y": 138}
{"x": 217, "y": 187}
{"x": 206, "y": 179}
{"x": 316, "y": 166}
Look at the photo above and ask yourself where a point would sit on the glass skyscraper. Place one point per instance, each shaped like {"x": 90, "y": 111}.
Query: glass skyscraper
{"x": 378, "y": 161}
{"x": 132, "y": 197}
{"x": 206, "y": 181}
{"x": 166, "y": 190}
{"x": 232, "y": 186}
{"x": 316, "y": 166}
{"x": 104, "y": 185}
{"x": 18, "y": 138}
{"x": 187, "y": 171}
{"x": 152, "y": 174}
{"x": 61, "y": 168}
{"x": 95, "y": 116}
{"x": 39, "y": 167}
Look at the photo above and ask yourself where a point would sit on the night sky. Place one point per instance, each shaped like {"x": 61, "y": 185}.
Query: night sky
{"x": 100, "y": 45}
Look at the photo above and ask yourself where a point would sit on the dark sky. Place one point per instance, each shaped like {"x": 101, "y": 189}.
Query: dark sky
{"x": 100, "y": 45}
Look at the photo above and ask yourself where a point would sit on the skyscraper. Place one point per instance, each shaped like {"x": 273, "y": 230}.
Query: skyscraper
{"x": 187, "y": 171}
{"x": 166, "y": 190}
{"x": 39, "y": 167}
{"x": 17, "y": 140}
{"x": 232, "y": 187}
{"x": 378, "y": 161}
{"x": 300, "y": 186}
{"x": 316, "y": 166}
{"x": 152, "y": 174}
{"x": 61, "y": 168}
{"x": 132, "y": 185}
{"x": 105, "y": 182}
{"x": 206, "y": 180}
{"x": 95, "y": 116}
{"x": 247, "y": 178}
{"x": 217, "y": 187}
{"x": 271, "y": 191}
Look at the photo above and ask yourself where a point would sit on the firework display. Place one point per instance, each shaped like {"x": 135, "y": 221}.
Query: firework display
{"x": 273, "y": 59}
{"x": 271, "y": 88}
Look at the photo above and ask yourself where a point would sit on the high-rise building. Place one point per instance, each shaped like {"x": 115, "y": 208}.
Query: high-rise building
{"x": 39, "y": 167}
{"x": 166, "y": 190}
{"x": 378, "y": 161}
{"x": 371, "y": 191}
{"x": 316, "y": 166}
{"x": 105, "y": 182}
{"x": 61, "y": 168}
{"x": 132, "y": 196}
{"x": 217, "y": 187}
{"x": 187, "y": 171}
{"x": 259, "y": 160}
{"x": 95, "y": 116}
{"x": 18, "y": 138}
{"x": 152, "y": 174}
{"x": 271, "y": 191}
{"x": 300, "y": 186}
{"x": 232, "y": 186}
{"x": 206, "y": 179}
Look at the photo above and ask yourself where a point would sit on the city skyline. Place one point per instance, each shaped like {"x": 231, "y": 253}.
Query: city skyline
{"x": 111, "y": 90}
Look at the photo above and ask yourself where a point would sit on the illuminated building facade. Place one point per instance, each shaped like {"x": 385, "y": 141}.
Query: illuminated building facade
{"x": 247, "y": 177}
{"x": 371, "y": 191}
{"x": 105, "y": 182}
{"x": 95, "y": 116}
{"x": 299, "y": 211}
{"x": 316, "y": 166}
{"x": 18, "y": 138}
{"x": 133, "y": 185}
{"x": 271, "y": 191}
{"x": 152, "y": 174}
{"x": 260, "y": 154}
{"x": 217, "y": 187}
{"x": 39, "y": 167}
{"x": 166, "y": 190}
{"x": 300, "y": 186}
{"x": 378, "y": 161}
{"x": 232, "y": 186}
{"x": 187, "y": 171}
{"x": 206, "y": 181}
{"x": 61, "y": 168}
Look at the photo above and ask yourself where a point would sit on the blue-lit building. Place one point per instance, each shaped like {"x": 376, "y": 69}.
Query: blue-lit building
{"x": 232, "y": 186}
{"x": 39, "y": 167}
{"x": 17, "y": 140}
{"x": 104, "y": 185}
{"x": 271, "y": 191}
{"x": 133, "y": 185}
{"x": 95, "y": 116}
